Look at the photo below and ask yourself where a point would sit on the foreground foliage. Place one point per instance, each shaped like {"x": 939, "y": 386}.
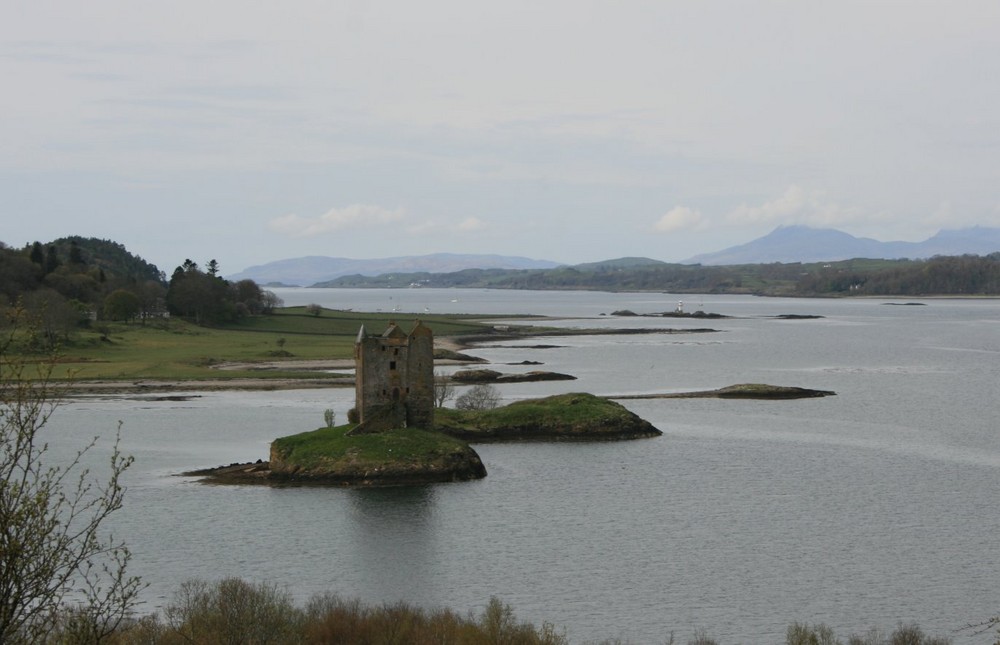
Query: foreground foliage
{"x": 57, "y": 566}
{"x": 236, "y": 611}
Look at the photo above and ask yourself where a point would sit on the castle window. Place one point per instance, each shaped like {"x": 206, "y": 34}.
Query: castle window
{"x": 392, "y": 365}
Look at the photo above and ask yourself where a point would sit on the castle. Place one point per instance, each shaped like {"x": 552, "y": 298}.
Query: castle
{"x": 394, "y": 378}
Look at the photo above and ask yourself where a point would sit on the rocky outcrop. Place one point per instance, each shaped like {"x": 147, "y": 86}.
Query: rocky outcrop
{"x": 449, "y": 355}
{"x": 741, "y": 391}
{"x": 459, "y": 465}
{"x": 493, "y": 376}
{"x": 670, "y": 314}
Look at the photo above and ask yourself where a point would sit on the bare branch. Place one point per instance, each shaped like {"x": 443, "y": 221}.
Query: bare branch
{"x": 57, "y": 568}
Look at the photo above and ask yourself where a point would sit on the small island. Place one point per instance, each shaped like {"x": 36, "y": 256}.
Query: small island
{"x": 740, "y": 391}
{"x": 493, "y": 376}
{"x": 399, "y": 456}
{"x": 397, "y": 437}
{"x": 564, "y": 417}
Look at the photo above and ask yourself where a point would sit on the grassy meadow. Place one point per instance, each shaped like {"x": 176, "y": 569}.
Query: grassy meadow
{"x": 334, "y": 449}
{"x": 173, "y": 349}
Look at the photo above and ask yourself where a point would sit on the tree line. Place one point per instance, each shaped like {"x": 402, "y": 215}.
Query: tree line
{"x": 941, "y": 275}
{"x": 75, "y": 282}
{"x": 207, "y": 298}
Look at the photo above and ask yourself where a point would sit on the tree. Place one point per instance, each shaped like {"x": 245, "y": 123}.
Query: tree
{"x": 37, "y": 254}
{"x": 444, "y": 389}
{"x": 57, "y": 567}
{"x": 51, "y": 259}
{"x": 54, "y": 318}
{"x": 121, "y": 304}
{"x": 249, "y": 294}
{"x": 270, "y": 301}
{"x": 151, "y": 299}
{"x": 198, "y": 295}
{"x": 18, "y": 274}
{"x": 75, "y": 255}
{"x": 479, "y": 397}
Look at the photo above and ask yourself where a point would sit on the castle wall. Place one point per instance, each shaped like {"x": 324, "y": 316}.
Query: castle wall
{"x": 395, "y": 378}
{"x": 420, "y": 378}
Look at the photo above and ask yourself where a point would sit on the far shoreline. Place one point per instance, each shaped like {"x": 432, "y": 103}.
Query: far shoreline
{"x": 101, "y": 387}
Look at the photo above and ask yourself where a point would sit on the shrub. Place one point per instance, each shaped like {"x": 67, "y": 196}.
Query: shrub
{"x": 802, "y": 634}
{"x": 234, "y": 611}
{"x": 701, "y": 638}
{"x": 903, "y": 635}
{"x": 330, "y": 619}
{"x": 479, "y": 397}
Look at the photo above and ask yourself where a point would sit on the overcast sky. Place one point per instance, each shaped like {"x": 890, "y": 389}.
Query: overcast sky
{"x": 570, "y": 131}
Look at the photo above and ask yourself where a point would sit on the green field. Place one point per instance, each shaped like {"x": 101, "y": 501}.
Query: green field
{"x": 172, "y": 349}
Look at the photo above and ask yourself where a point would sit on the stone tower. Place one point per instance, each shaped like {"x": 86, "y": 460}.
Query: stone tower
{"x": 394, "y": 378}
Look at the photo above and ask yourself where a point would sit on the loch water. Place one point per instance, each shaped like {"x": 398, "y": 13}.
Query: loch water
{"x": 874, "y": 507}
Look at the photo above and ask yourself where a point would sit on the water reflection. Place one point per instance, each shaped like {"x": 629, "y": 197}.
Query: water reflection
{"x": 392, "y": 534}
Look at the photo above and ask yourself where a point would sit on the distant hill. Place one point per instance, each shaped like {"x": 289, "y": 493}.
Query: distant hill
{"x": 620, "y": 263}
{"x": 805, "y": 244}
{"x": 307, "y": 271}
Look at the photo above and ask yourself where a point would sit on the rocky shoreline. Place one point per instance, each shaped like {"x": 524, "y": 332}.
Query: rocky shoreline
{"x": 466, "y": 466}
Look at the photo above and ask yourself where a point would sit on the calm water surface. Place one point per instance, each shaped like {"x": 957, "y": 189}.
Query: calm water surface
{"x": 866, "y": 509}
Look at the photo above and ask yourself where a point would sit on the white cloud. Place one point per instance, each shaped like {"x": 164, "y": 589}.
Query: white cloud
{"x": 471, "y": 224}
{"x": 424, "y": 228}
{"x": 679, "y": 218}
{"x": 788, "y": 206}
{"x": 335, "y": 219}
{"x": 799, "y": 206}
{"x": 446, "y": 226}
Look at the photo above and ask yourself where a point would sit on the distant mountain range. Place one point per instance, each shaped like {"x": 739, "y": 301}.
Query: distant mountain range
{"x": 785, "y": 244}
{"x": 306, "y": 271}
{"x": 805, "y": 244}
